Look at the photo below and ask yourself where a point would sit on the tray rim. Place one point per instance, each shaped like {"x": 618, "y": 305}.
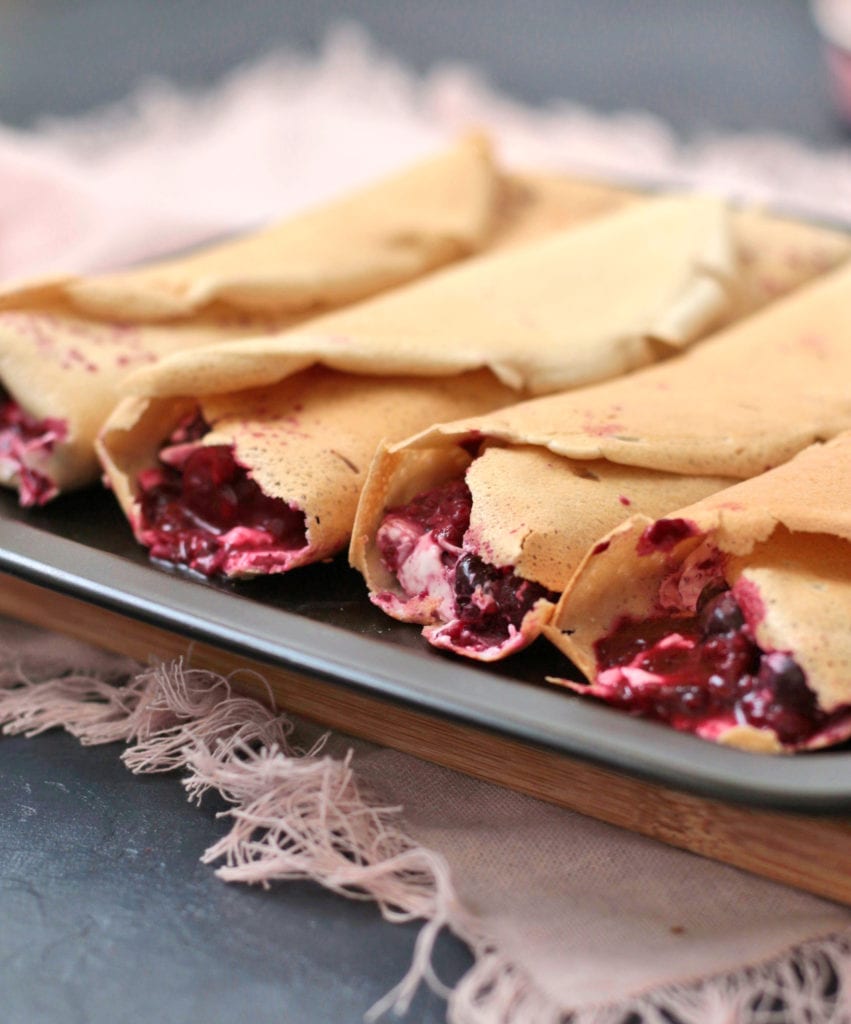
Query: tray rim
{"x": 543, "y": 717}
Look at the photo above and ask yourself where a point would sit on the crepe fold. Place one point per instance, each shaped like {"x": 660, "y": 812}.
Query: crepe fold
{"x": 546, "y": 478}
{"x": 295, "y": 452}
{"x": 740, "y": 605}
{"x": 67, "y": 345}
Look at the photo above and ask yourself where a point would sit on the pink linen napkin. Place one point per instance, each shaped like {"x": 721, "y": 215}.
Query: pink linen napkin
{"x": 545, "y": 898}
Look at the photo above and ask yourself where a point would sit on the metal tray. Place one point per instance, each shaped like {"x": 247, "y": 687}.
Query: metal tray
{"x": 317, "y": 621}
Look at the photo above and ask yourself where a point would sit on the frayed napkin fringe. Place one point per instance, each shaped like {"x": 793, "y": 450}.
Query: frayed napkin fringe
{"x": 297, "y": 813}
{"x": 809, "y": 985}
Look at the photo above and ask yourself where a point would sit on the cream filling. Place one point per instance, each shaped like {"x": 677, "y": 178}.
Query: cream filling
{"x": 422, "y": 576}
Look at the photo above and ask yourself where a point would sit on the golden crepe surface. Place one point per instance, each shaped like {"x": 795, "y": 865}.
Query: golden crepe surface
{"x": 728, "y": 618}
{"x": 581, "y": 305}
{"x": 66, "y": 345}
{"x": 555, "y": 473}
{"x": 267, "y": 479}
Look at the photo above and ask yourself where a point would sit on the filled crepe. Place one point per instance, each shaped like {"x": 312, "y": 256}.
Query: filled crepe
{"x": 728, "y": 618}
{"x": 263, "y": 481}
{"x": 501, "y": 321}
{"x": 66, "y": 344}
{"x": 472, "y": 528}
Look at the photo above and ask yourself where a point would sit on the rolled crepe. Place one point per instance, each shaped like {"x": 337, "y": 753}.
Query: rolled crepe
{"x": 473, "y": 528}
{"x": 263, "y": 481}
{"x": 681, "y": 293}
{"x": 66, "y": 345}
{"x": 581, "y": 305}
{"x": 126, "y": 432}
{"x": 435, "y": 212}
{"x": 728, "y": 618}
{"x": 774, "y": 255}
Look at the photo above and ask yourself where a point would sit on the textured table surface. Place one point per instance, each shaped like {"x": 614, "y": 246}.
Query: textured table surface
{"x": 108, "y": 916}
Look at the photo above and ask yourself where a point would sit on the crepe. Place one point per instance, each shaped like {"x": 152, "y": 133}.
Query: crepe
{"x": 678, "y": 267}
{"x": 66, "y": 345}
{"x": 435, "y": 212}
{"x": 774, "y": 255}
{"x": 580, "y": 305}
{"x": 280, "y": 468}
{"x": 743, "y": 603}
{"x": 527, "y": 489}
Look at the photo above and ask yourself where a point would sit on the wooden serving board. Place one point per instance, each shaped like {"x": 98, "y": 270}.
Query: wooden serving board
{"x": 809, "y": 852}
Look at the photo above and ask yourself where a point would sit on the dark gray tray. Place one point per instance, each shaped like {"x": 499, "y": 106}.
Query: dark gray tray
{"x": 318, "y": 621}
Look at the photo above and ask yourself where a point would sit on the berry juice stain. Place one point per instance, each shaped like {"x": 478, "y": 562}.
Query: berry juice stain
{"x": 664, "y": 535}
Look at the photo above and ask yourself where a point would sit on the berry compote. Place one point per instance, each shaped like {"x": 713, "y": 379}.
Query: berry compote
{"x": 24, "y": 442}
{"x": 706, "y": 673}
{"x": 422, "y": 544}
{"x": 200, "y": 508}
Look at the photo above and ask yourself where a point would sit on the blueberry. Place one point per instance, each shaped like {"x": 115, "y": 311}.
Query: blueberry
{"x": 781, "y": 700}
{"x": 444, "y": 511}
{"x": 783, "y": 676}
{"x": 721, "y": 614}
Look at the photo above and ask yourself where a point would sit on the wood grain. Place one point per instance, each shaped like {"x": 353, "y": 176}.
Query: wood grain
{"x": 812, "y": 853}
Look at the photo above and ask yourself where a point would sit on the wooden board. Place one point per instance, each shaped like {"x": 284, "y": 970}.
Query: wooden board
{"x": 812, "y": 853}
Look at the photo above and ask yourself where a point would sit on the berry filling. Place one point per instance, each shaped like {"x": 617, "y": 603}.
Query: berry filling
{"x": 422, "y": 543}
{"x": 708, "y": 675}
{"x": 25, "y": 442}
{"x": 201, "y": 509}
